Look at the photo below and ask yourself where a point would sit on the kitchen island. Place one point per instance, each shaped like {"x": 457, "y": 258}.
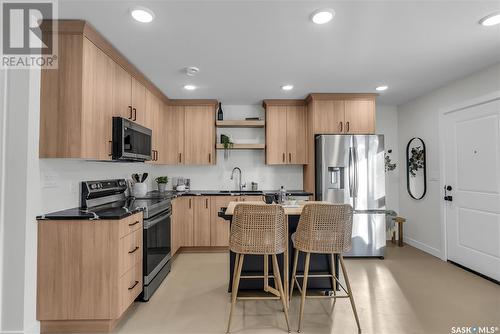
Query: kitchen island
{"x": 254, "y": 264}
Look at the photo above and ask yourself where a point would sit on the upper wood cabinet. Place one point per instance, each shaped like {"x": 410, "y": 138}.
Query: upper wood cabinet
{"x": 360, "y": 116}
{"x": 189, "y": 127}
{"x": 342, "y": 113}
{"x": 286, "y": 129}
{"x": 199, "y": 135}
{"x": 173, "y": 125}
{"x": 92, "y": 83}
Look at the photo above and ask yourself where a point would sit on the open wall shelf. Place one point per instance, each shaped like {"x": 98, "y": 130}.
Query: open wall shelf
{"x": 243, "y": 146}
{"x": 240, "y": 124}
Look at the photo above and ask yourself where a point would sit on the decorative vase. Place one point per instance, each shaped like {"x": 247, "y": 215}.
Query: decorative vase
{"x": 162, "y": 187}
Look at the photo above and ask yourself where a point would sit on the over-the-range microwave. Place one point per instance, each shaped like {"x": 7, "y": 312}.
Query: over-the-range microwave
{"x": 131, "y": 141}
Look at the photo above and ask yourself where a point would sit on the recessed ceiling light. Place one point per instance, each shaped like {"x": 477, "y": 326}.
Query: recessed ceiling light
{"x": 322, "y": 16}
{"x": 490, "y": 20}
{"x": 189, "y": 87}
{"x": 287, "y": 87}
{"x": 382, "y": 88}
{"x": 142, "y": 14}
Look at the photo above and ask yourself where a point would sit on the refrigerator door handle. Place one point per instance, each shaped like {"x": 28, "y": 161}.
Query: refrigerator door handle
{"x": 355, "y": 164}
{"x": 351, "y": 181}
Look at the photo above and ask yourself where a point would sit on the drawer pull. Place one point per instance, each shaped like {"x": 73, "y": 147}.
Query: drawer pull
{"x": 133, "y": 286}
{"x": 136, "y": 222}
{"x": 134, "y": 250}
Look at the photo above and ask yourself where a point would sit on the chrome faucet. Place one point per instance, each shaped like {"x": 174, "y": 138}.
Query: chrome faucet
{"x": 240, "y": 186}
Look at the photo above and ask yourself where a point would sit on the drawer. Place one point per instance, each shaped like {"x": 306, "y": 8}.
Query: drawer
{"x": 130, "y": 224}
{"x": 130, "y": 251}
{"x": 130, "y": 287}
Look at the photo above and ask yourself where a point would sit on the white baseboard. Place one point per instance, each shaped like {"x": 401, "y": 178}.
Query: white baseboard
{"x": 423, "y": 247}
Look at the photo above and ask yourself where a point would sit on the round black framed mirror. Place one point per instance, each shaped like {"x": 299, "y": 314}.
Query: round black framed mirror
{"x": 416, "y": 178}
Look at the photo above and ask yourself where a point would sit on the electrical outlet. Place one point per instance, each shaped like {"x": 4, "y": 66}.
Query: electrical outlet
{"x": 50, "y": 180}
{"x": 74, "y": 187}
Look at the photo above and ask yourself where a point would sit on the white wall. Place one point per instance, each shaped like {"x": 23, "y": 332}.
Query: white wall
{"x": 19, "y": 191}
{"x": 387, "y": 124}
{"x": 420, "y": 118}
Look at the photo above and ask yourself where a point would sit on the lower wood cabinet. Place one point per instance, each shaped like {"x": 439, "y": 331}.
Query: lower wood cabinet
{"x": 89, "y": 272}
{"x": 195, "y": 221}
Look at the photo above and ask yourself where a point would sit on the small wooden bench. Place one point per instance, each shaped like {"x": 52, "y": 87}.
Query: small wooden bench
{"x": 399, "y": 221}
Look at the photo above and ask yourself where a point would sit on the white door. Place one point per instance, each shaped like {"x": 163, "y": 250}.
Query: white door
{"x": 472, "y": 169}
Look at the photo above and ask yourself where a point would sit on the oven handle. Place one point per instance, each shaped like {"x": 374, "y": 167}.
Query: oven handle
{"x": 150, "y": 223}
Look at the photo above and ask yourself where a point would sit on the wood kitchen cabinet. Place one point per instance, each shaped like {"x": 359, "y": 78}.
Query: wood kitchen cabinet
{"x": 174, "y": 135}
{"x": 286, "y": 128}
{"x": 93, "y": 83}
{"x": 154, "y": 120}
{"x": 342, "y": 113}
{"x": 198, "y": 224}
{"x": 182, "y": 223}
{"x": 199, "y": 135}
{"x": 201, "y": 221}
{"x": 190, "y": 132}
{"x": 219, "y": 228}
{"x": 88, "y": 272}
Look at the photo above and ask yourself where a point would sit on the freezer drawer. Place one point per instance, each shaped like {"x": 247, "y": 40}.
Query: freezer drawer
{"x": 368, "y": 235}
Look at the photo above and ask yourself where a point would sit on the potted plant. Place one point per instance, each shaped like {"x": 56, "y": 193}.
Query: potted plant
{"x": 162, "y": 183}
{"x": 228, "y": 144}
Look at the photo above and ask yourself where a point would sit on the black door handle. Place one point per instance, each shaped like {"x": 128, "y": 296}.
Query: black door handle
{"x": 447, "y": 197}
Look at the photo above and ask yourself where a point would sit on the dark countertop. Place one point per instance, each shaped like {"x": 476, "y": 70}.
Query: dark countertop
{"x": 118, "y": 211}
{"x": 174, "y": 194}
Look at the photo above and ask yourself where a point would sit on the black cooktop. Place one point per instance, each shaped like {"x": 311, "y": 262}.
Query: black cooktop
{"x": 114, "y": 210}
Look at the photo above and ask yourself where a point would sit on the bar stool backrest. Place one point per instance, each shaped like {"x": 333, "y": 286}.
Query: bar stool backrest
{"x": 258, "y": 229}
{"x": 324, "y": 228}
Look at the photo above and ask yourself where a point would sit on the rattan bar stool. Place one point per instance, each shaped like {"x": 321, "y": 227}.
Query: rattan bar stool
{"x": 323, "y": 229}
{"x": 258, "y": 229}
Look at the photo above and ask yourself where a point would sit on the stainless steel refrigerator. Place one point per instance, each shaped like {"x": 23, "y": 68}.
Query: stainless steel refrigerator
{"x": 350, "y": 169}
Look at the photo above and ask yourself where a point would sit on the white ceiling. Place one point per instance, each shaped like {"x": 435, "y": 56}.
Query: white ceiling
{"x": 247, "y": 49}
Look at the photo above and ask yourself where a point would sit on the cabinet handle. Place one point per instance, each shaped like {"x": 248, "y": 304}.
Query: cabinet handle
{"x": 133, "y": 286}
{"x": 136, "y": 222}
{"x": 347, "y": 127}
{"x": 134, "y": 250}
{"x": 341, "y": 126}
{"x": 135, "y": 114}
{"x": 209, "y": 157}
{"x": 190, "y": 203}
{"x": 283, "y": 157}
{"x": 289, "y": 157}
{"x": 157, "y": 155}
{"x": 130, "y": 111}
{"x": 206, "y": 203}
{"x": 111, "y": 154}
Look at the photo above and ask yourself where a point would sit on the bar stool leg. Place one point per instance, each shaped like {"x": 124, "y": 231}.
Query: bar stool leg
{"x": 349, "y": 291}
{"x": 294, "y": 272}
{"x": 304, "y": 290}
{"x": 334, "y": 283}
{"x": 266, "y": 273}
{"x": 279, "y": 284}
{"x": 234, "y": 291}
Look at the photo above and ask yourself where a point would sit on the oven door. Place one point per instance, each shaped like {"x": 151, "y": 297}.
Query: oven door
{"x": 156, "y": 244}
{"x": 131, "y": 141}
